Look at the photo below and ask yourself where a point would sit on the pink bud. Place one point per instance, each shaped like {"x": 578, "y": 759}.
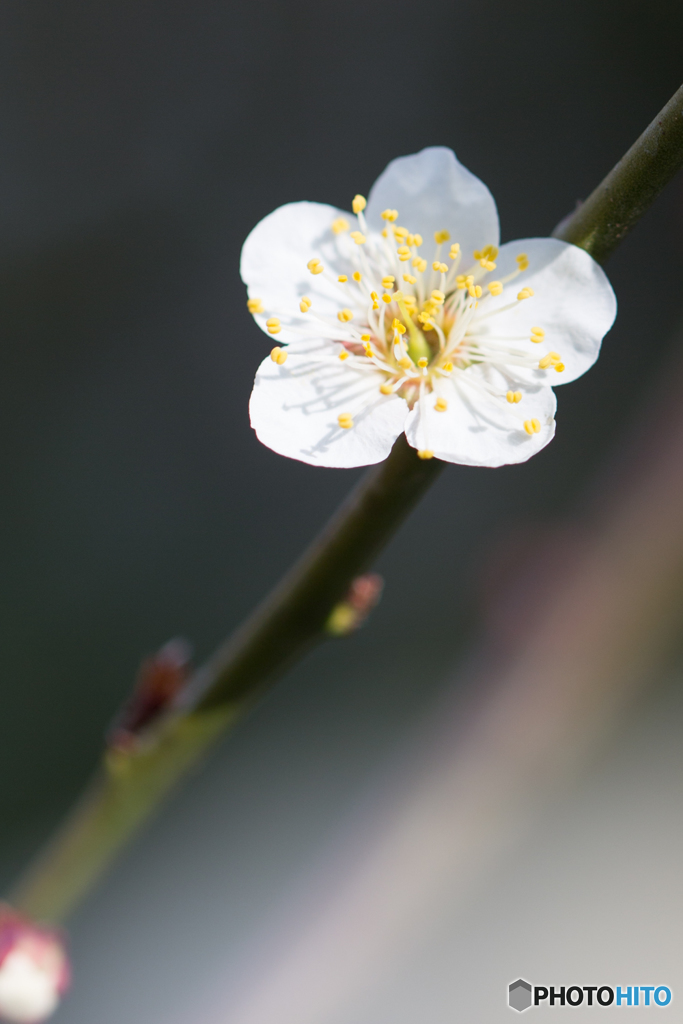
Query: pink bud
{"x": 34, "y": 969}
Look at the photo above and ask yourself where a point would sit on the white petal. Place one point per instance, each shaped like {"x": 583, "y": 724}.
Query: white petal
{"x": 294, "y": 409}
{"x": 476, "y": 430}
{"x": 573, "y": 302}
{"x": 274, "y": 264}
{"x": 432, "y": 191}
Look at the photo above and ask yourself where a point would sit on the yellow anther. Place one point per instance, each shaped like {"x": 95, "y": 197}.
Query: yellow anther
{"x": 437, "y": 296}
{"x": 368, "y": 349}
{"x": 344, "y": 315}
{"x": 315, "y": 266}
{"x": 374, "y": 296}
{"x": 359, "y": 203}
{"x": 386, "y": 389}
{"x": 405, "y": 362}
{"x": 522, "y": 261}
{"x": 339, "y": 225}
{"x": 357, "y": 276}
{"x": 518, "y": 396}
{"x": 400, "y": 232}
{"x": 273, "y": 325}
{"x": 489, "y": 252}
{"x": 461, "y": 282}
{"x": 511, "y": 397}
{"x": 345, "y": 420}
{"x": 390, "y": 215}
{"x": 342, "y": 279}
{"x": 398, "y": 326}
{"x": 420, "y": 264}
{"x": 532, "y": 427}
{"x": 441, "y": 236}
{"x": 559, "y": 367}
{"x": 255, "y": 305}
{"x": 495, "y": 287}
{"x": 358, "y": 237}
{"x": 441, "y": 268}
{"x": 425, "y": 453}
{"x": 343, "y": 355}
{"x": 474, "y": 291}
{"x": 423, "y": 362}
{"x": 403, "y": 249}
{"x": 447, "y": 367}
{"x": 409, "y": 278}
{"x": 375, "y": 305}
{"x": 417, "y": 241}
{"x": 537, "y": 334}
{"x": 554, "y": 357}
{"x": 525, "y": 293}
{"x": 305, "y": 304}
{"x": 365, "y": 337}
{"x": 545, "y": 362}
{"x": 386, "y": 297}
{"x": 487, "y": 264}
{"x": 388, "y": 281}
{"x": 278, "y": 355}
{"x": 440, "y": 405}
{"x": 403, "y": 253}
{"x": 455, "y": 251}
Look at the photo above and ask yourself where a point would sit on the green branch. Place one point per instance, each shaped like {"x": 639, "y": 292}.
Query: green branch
{"x": 130, "y": 785}
{"x": 602, "y": 222}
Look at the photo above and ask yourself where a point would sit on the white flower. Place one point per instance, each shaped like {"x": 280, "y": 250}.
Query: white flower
{"x": 406, "y": 316}
{"x": 34, "y": 970}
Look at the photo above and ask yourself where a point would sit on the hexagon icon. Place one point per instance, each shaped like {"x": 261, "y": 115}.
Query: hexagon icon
{"x": 519, "y": 995}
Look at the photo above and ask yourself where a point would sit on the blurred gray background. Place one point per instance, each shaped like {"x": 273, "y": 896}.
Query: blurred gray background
{"x": 139, "y": 143}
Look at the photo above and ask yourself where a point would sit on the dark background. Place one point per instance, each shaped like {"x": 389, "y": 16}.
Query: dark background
{"x": 140, "y": 142}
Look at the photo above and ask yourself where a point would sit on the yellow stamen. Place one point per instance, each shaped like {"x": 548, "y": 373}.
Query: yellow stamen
{"x": 489, "y": 252}
{"x": 345, "y": 420}
{"x": 417, "y": 241}
{"x": 359, "y": 203}
{"x": 525, "y": 293}
{"x": 344, "y": 315}
{"x": 522, "y": 261}
{"x": 455, "y": 251}
{"x": 358, "y": 237}
{"x": 409, "y": 278}
{"x": 487, "y": 264}
{"x": 386, "y": 297}
{"x": 532, "y": 427}
{"x": 441, "y": 268}
{"x": 440, "y": 405}
{"x": 420, "y": 264}
{"x": 400, "y": 233}
{"x": 495, "y": 287}
{"x": 365, "y": 337}
{"x": 441, "y": 236}
{"x": 403, "y": 253}
{"x": 511, "y": 397}
{"x": 559, "y": 367}
{"x": 545, "y": 362}
{"x": 278, "y": 355}
{"x": 273, "y": 325}
{"x": 423, "y": 362}
{"x": 447, "y": 367}
{"x": 315, "y": 266}
{"x": 357, "y": 276}
{"x": 368, "y": 349}
{"x": 386, "y": 389}
{"x": 398, "y": 326}
{"x": 438, "y": 297}
{"x": 537, "y": 334}
{"x": 474, "y": 291}
{"x": 342, "y": 279}
{"x": 255, "y": 305}
{"x": 339, "y": 225}
{"x": 425, "y": 453}
{"x": 373, "y": 296}
{"x": 305, "y": 304}
{"x": 343, "y": 355}
{"x": 388, "y": 281}
{"x": 405, "y": 362}
{"x": 390, "y": 215}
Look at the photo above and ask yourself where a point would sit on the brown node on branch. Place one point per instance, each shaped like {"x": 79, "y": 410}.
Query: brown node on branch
{"x": 363, "y": 595}
{"x": 160, "y": 679}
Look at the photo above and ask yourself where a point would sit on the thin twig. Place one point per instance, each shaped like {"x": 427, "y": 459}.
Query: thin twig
{"x": 131, "y": 784}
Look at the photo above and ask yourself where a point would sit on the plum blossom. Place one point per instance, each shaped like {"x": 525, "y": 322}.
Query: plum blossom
{"x": 407, "y": 315}
{"x": 34, "y": 969}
